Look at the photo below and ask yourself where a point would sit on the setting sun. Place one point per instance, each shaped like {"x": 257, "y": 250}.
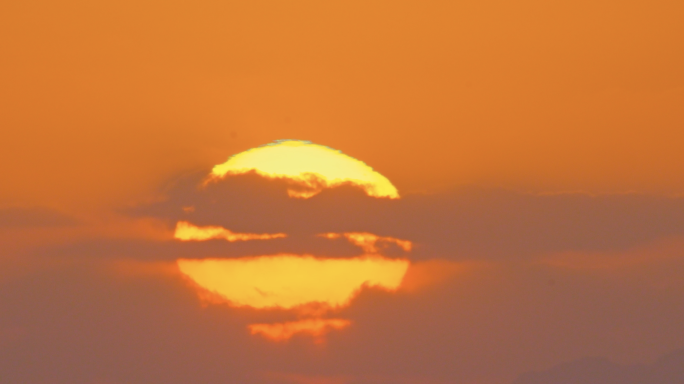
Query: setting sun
{"x": 312, "y": 166}
{"x": 289, "y": 281}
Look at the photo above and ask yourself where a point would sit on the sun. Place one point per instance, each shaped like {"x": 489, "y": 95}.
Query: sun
{"x": 290, "y": 281}
{"x": 310, "y": 286}
{"x": 310, "y": 165}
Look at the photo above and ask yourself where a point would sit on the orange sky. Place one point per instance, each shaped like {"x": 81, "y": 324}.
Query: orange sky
{"x": 102, "y": 101}
{"x": 549, "y": 135}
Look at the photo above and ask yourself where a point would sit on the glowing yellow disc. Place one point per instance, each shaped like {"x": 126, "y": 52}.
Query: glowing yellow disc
{"x": 288, "y": 281}
{"x": 312, "y": 165}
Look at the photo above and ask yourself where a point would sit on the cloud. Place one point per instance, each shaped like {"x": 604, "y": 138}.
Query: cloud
{"x": 481, "y": 303}
{"x": 316, "y": 327}
{"x": 669, "y": 369}
{"x": 370, "y": 243}
{"x": 468, "y": 223}
{"x": 637, "y": 257}
{"x": 150, "y": 249}
{"x": 188, "y": 232}
{"x": 92, "y": 318}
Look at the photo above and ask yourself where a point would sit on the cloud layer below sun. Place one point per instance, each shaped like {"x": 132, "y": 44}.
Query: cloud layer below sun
{"x": 455, "y": 277}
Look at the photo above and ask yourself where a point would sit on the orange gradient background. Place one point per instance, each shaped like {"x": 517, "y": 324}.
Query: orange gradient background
{"x": 529, "y": 212}
{"x": 576, "y": 95}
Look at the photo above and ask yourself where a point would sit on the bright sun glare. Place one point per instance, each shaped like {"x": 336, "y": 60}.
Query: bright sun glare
{"x": 290, "y": 281}
{"x": 311, "y": 165}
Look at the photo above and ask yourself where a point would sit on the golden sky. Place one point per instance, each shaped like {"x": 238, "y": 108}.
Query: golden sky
{"x": 341, "y": 192}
